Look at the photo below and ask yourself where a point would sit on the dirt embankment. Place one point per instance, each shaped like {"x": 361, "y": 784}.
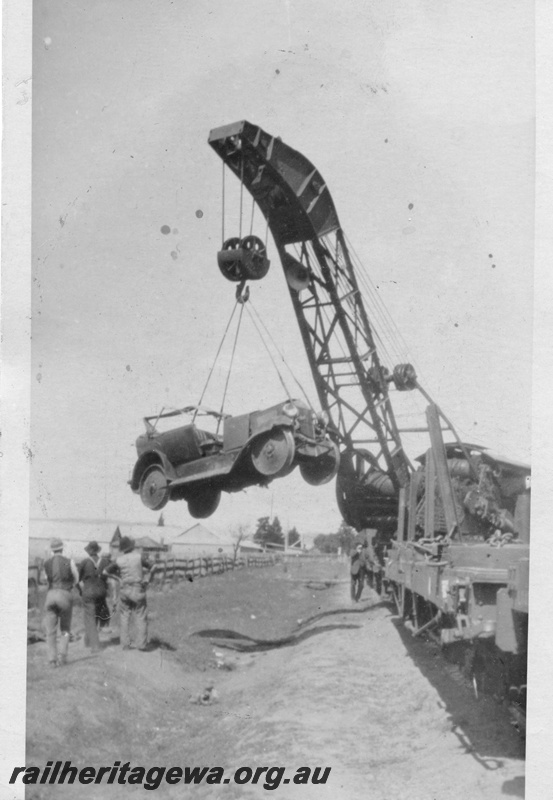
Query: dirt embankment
{"x": 302, "y": 677}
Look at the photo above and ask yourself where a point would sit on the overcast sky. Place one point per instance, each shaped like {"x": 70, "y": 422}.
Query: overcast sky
{"x": 419, "y": 115}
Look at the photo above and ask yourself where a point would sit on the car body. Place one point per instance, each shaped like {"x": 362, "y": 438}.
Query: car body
{"x": 188, "y": 463}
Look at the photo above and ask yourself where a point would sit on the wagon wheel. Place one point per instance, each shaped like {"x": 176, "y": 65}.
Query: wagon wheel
{"x": 153, "y": 488}
{"x": 273, "y": 453}
{"x": 323, "y": 469}
{"x": 203, "y": 503}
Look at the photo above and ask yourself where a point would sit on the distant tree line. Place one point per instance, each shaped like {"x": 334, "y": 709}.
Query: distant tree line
{"x": 344, "y": 540}
{"x": 269, "y": 532}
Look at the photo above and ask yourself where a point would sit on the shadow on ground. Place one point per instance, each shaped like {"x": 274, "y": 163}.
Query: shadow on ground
{"x": 480, "y": 735}
{"x": 237, "y": 641}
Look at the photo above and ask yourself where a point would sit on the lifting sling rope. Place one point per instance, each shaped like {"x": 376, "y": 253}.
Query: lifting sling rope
{"x": 302, "y": 390}
{"x": 242, "y": 296}
{"x": 258, "y": 328}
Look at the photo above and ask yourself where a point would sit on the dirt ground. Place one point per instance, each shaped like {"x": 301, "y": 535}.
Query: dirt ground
{"x": 302, "y": 677}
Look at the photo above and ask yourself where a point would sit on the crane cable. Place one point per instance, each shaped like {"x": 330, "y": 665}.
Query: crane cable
{"x": 281, "y": 379}
{"x": 393, "y": 332}
{"x": 302, "y": 390}
{"x": 223, "y": 210}
{"x": 260, "y": 334}
{"x": 215, "y": 360}
{"x": 231, "y": 361}
{"x": 241, "y": 194}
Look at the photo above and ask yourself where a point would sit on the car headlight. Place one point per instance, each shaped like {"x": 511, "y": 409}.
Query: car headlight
{"x": 290, "y": 410}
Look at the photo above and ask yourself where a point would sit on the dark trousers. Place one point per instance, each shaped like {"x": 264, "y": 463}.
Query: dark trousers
{"x": 357, "y": 583}
{"x": 91, "y": 638}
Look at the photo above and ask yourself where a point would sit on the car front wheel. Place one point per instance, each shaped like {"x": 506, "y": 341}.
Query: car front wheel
{"x": 153, "y": 488}
{"x": 322, "y": 469}
{"x": 272, "y": 453}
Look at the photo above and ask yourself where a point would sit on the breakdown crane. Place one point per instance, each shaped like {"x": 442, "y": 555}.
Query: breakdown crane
{"x": 352, "y": 385}
{"x": 448, "y": 535}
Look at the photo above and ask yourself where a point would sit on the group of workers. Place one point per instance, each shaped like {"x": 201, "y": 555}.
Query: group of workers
{"x": 129, "y": 567}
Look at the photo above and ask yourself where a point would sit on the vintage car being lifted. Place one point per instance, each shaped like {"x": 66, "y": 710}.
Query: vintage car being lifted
{"x": 191, "y": 464}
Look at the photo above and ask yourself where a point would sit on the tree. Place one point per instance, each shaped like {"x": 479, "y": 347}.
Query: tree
{"x": 346, "y": 536}
{"x": 161, "y": 521}
{"x": 238, "y": 534}
{"x": 293, "y": 537}
{"x": 262, "y": 530}
{"x": 343, "y": 540}
{"x": 327, "y": 542}
{"x": 276, "y": 535}
{"x": 268, "y": 532}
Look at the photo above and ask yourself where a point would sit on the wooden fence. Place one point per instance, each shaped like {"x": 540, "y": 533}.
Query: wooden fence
{"x": 172, "y": 570}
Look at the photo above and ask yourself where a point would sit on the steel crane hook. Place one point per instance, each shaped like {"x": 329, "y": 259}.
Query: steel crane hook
{"x": 242, "y": 292}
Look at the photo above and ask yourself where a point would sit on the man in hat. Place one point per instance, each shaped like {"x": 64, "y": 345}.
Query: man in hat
{"x": 358, "y": 570}
{"x": 93, "y": 592}
{"x": 62, "y": 576}
{"x": 129, "y": 567}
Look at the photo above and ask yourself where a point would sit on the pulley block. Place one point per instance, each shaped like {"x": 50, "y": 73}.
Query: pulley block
{"x": 404, "y": 377}
{"x": 243, "y": 259}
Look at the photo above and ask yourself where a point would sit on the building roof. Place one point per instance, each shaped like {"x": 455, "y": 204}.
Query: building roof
{"x": 247, "y": 544}
{"x": 199, "y": 534}
{"x": 101, "y": 530}
{"x": 147, "y": 542}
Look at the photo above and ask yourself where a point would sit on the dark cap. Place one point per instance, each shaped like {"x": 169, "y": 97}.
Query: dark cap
{"x": 126, "y": 544}
{"x": 92, "y": 548}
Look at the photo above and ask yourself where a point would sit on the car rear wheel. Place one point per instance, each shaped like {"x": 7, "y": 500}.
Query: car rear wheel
{"x": 153, "y": 488}
{"x": 272, "y": 453}
{"x": 203, "y": 503}
{"x": 323, "y": 469}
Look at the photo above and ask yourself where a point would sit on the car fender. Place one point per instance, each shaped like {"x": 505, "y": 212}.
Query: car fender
{"x": 146, "y": 460}
{"x": 261, "y": 423}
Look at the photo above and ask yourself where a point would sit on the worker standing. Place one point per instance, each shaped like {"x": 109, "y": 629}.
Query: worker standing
{"x": 358, "y": 571}
{"x": 62, "y": 576}
{"x": 94, "y": 591}
{"x": 129, "y": 566}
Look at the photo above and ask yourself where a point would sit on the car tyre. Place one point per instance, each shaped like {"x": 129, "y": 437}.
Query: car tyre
{"x": 153, "y": 488}
{"x": 272, "y": 453}
{"x": 203, "y": 503}
{"x": 319, "y": 471}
